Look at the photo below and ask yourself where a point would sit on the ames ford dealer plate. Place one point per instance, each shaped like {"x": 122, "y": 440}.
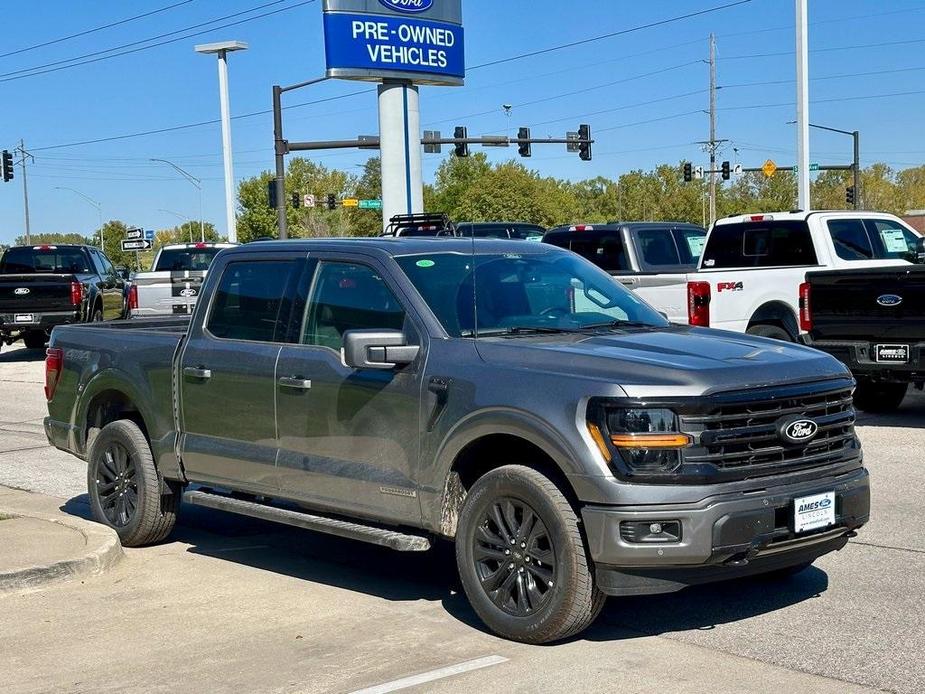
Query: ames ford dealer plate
{"x": 24, "y": 318}
{"x": 812, "y": 512}
{"x": 891, "y": 354}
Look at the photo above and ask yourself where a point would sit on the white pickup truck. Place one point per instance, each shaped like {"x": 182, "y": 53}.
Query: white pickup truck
{"x": 753, "y": 268}
{"x": 173, "y": 284}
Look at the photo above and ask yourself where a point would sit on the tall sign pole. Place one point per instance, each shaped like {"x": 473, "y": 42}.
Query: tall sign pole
{"x": 712, "y": 128}
{"x": 803, "y": 198}
{"x": 400, "y": 44}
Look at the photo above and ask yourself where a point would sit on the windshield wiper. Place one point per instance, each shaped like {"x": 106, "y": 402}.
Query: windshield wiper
{"x": 620, "y": 324}
{"x": 524, "y": 329}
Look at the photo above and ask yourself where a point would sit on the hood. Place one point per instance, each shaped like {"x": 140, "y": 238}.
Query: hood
{"x": 677, "y": 361}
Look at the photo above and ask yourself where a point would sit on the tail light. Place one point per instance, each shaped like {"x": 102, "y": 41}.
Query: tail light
{"x": 133, "y": 297}
{"x": 806, "y": 313}
{"x": 200, "y": 245}
{"x": 54, "y": 363}
{"x": 77, "y": 293}
{"x": 698, "y": 303}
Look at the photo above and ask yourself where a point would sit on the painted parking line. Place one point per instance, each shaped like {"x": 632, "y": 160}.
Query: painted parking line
{"x": 433, "y": 675}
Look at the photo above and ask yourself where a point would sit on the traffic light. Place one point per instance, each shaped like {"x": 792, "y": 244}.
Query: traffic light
{"x": 332, "y": 201}
{"x": 725, "y": 170}
{"x": 296, "y": 200}
{"x": 462, "y": 148}
{"x": 849, "y": 195}
{"x": 523, "y": 148}
{"x": 688, "y": 172}
{"x": 271, "y": 193}
{"x": 7, "y": 166}
{"x": 584, "y": 142}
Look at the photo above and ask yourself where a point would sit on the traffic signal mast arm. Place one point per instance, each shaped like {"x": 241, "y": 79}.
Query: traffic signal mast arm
{"x": 369, "y": 142}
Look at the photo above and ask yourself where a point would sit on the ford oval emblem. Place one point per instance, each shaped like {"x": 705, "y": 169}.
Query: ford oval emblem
{"x": 409, "y": 6}
{"x": 188, "y": 292}
{"x": 799, "y": 431}
{"x": 889, "y": 300}
{"x": 21, "y": 291}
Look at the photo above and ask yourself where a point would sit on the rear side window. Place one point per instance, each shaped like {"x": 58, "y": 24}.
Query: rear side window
{"x": 253, "y": 301}
{"x": 47, "y": 259}
{"x": 657, "y": 247}
{"x": 759, "y": 244}
{"x": 184, "y": 259}
{"x": 604, "y": 249}
{"x": 849, "y": 236}
{"x": 897, "y": 240}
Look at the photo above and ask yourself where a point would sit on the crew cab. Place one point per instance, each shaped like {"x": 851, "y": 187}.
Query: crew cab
{"x": 508, "y": 396}
{"x": 873, "y": 320}
{"x": 501, "y": 230}
{"x": 174, "y": 281}
{"x": 753, "y": 265}
{"x": 47, "y": 285}
{"x": 651, "y": 258}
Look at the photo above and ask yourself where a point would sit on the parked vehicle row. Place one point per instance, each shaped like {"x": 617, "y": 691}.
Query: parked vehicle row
{"x": 505, "y": 395}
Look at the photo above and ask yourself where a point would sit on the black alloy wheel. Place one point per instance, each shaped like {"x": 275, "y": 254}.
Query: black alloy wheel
{"x": 117, "y": 485}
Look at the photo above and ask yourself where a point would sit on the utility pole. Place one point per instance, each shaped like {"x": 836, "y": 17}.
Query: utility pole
{"x": 802, "y": 51}
{"x": 856, "y": 166}
{"x": 713, "y": 142}
{"x": 25, "y": 189}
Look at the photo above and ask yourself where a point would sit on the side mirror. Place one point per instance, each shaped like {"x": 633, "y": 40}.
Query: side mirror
{"x": 920, "y": 250}
{"x": 377, "y": 349}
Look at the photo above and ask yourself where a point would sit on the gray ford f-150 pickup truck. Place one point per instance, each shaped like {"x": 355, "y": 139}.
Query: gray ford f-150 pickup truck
{"x": 511, "y": 397}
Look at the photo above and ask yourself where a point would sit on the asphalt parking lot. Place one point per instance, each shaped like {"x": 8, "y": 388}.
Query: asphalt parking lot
{"x": 234, "y": 604}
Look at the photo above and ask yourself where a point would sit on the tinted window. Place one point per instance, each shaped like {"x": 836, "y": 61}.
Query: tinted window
{"x": 604, "y": 249}
{"x": 348, "y": 296}
{"x": 97, "y": 262}
{"x": 657, "y": 247}
{"x": 759, "y": 244}
{"x": 690, "y": 244}
{"x": 108, "y": 269}
{"x": 252, "y": 301}
{"x": 50, "y": 259}
{"x": 183, "y": 259}
{"x": 849, "y": 236}
{"x": 545, "y": 291}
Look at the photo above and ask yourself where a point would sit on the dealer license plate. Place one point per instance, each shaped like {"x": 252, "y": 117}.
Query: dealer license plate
{"x": 813, "y": 512}
{"x": 892, "y": 354}
{"x": 24, "y": 318}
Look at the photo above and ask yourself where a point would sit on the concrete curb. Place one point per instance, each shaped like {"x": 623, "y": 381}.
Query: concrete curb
{"x": 102, "y": 547}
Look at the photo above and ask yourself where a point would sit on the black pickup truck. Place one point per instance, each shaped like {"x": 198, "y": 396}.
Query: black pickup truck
{"x": 47, "y": 285}
{"x": 873, "y": 320}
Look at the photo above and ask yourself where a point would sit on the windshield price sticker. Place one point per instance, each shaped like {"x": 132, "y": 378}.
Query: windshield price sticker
{"x": 696, "y": 244}
{"x": 894, "y": 240}
{"x": 385, "y": 45}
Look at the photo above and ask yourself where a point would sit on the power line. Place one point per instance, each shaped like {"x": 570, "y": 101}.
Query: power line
{"x": 823, "y": 101}
{"x": 622, "y": 32}
{"x": 748, "y": 56}
{"x": 79, "y": 60}
{"x": 824, "y": 77}
{"x": 94, "y": 29}
{"x": 624, "y": 107}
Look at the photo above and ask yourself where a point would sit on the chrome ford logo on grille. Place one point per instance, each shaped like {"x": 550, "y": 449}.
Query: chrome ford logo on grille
{"x": 799, "y": 431}
{"x": 21, "y": 291}
{"x": 889, "y": 300}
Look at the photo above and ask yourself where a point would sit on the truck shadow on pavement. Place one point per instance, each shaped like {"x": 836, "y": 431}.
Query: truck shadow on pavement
{"x": 432, "y": 576}
{"x": 910, "y": 414}
{"x": 21, "y": 356}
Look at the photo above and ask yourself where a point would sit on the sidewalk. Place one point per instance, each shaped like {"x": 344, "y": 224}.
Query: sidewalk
{"x": 39, "y": 543}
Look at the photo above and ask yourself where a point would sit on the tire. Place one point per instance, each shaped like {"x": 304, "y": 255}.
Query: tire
{"x": 523, "y": 608}
{"x": 774, "y": 332}
{"x": 125, "y": 492}
{"x": 879, "y": 397}
{"x": 97, "y": 315}
{"x": 35, "y": 339}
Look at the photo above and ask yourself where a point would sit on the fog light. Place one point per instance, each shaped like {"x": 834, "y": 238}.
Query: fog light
{"x": 642, "y": 532}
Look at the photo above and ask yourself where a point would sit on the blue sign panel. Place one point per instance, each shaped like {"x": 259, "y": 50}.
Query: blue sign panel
{"x": 377, "y": 46}
{"x": 149, "y": 234}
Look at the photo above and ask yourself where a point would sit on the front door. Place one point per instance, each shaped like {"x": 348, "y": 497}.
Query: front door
{"x": 227, "y": 375}
{"x": 349, "y": 438}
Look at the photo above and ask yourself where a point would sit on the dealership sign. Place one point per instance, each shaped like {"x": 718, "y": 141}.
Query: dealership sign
{"x": 416, "y": 40}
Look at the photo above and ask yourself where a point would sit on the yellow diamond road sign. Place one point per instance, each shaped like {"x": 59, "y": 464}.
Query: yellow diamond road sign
{"x": 769, "y": 168}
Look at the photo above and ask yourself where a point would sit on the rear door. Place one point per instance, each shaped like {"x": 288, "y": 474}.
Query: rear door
{"x": 110, "y": 286}
{"x": 349, "y": 438}
{"x": 228, "y": 373}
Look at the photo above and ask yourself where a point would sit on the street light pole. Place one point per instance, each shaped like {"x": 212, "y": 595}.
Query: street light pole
{"x": 802, "y": 51}
{"x": 221, "y": 49}
{"x": 97, "y": 205}
{"x": 856, "y": 162}
{"x": 196, "y": 182}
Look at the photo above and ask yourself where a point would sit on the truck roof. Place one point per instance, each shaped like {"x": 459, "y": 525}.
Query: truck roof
{"x": 198, "y": 244}
{"x": 798, "y": 215}
{"x": 398, "y": 246}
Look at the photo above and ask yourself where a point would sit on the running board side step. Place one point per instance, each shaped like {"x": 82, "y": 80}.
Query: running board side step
{"x": 332, "y": 526}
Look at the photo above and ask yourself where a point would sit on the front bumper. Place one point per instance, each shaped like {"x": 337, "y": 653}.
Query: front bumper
{"x": 859, "y": 357}
{"x": 724, "y": 536}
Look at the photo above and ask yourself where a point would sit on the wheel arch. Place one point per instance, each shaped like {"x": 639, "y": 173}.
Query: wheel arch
{"x": 108, "y": 398}
{"x": 776, "y": 313}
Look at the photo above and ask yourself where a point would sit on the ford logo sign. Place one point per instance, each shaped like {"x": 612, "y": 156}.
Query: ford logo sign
{"x": 21, "y": 291}
{"x": 889, "y": 300}
{"x": 187, "y": 292}
{"x": 798, "y": 431}
{"x": 825, "y": 503}
{"x": 409, "y": 6}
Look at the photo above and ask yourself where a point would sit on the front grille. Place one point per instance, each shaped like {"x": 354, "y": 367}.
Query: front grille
{"x": 741, "y": 433}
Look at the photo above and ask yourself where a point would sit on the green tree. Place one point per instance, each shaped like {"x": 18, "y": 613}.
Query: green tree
{"x": 368, "y": 187}
{"x": 53, "y": 238}
{"x": 188, "y": 232}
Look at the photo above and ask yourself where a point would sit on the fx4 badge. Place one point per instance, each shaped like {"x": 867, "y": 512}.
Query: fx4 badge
{"x": 729, "y": 287}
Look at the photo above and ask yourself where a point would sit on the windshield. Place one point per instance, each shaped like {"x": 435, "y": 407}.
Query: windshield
{"x": 183, "y": 259}
{"x": 47, "y": 259}
{"x": 523, "y": 293}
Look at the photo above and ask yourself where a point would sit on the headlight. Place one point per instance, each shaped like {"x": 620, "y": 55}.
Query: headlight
{"x": 646, "y": 440}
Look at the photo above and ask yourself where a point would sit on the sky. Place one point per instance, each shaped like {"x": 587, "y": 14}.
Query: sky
{"x": 644, "y": 92}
